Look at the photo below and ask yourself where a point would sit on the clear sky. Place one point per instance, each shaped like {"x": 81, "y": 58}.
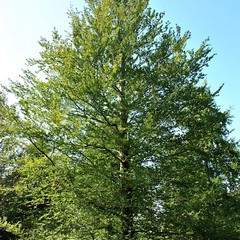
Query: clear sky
{"x": 23, "y": 22}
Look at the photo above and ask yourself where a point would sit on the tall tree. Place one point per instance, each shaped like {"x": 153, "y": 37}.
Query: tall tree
{"x": 122, "y": 99}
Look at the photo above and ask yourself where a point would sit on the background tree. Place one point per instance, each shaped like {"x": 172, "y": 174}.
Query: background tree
{"x": 121, "y": 105}
{"x": 8, "y": 229}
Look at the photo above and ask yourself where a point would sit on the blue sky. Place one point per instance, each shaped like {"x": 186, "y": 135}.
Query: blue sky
{"x": 23, "y": 22}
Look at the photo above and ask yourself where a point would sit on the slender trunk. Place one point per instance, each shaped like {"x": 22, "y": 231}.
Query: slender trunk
{"x": 125, "y": 167}
{"x": 127, "y": 207}
{"x": 126, "y": 190}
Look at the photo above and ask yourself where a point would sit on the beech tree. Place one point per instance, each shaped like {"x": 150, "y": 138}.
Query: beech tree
{"x": 121, "y": 110}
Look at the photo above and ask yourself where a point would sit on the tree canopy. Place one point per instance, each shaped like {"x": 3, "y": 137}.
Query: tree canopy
{"x": 118, "y": 136}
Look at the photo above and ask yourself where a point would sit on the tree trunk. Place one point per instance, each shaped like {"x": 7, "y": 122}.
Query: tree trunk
{"x": 127, "y": 196}
{"x": 126, "y": 187}
{"x": 127, "y": 210}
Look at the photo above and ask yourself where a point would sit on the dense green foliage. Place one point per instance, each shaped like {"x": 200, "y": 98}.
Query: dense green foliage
{"x": 116, "y": 135}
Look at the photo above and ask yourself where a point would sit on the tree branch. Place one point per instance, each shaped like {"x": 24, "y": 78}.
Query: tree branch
{"x": 41, "y": 151}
